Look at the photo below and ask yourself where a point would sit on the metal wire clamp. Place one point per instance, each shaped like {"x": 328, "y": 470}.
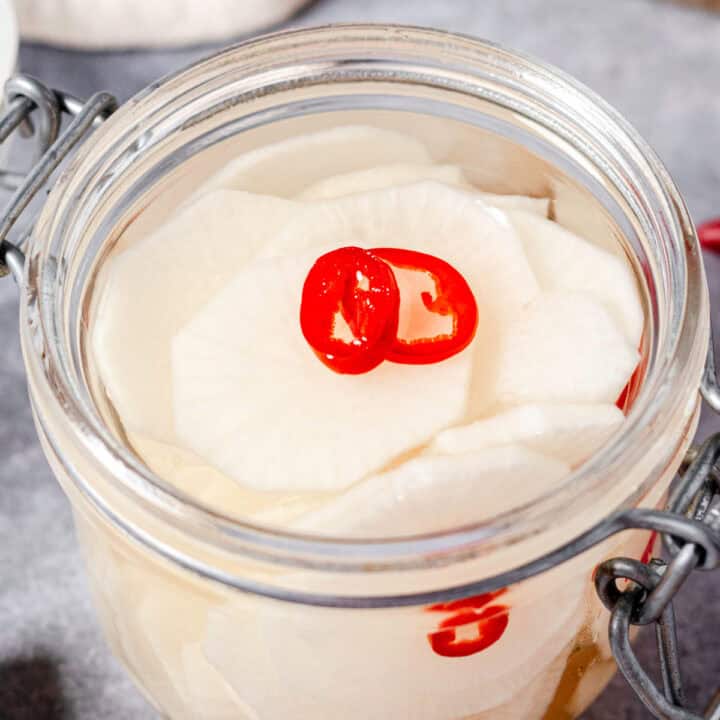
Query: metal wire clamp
{"x": 648, "y": 597}
{"x": 34, "y": 109}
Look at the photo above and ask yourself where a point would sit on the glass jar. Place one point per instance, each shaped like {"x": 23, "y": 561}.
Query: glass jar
{"x": 218, "y": 618}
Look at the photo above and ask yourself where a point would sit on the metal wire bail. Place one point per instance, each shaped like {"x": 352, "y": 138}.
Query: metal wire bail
{"x": 710, "y": 386}
{"x": 34, "y": 109}
{"x": 648, "y": 596}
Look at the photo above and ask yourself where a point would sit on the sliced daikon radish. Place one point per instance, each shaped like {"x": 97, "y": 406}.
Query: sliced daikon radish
{"x": 564, "y": 261}
{"x": 306, "y": 648}
{"x": 154, "y": 287}
{"x": 285, "y": 168}
{"x": 431, "y": 218}
{"x": 169, "y": 625}
{"x": 565, "y": 348}
{"x": 252, "y": 398}
{"x": 570, "y": 433}
{"x": 379, "y": 178}
{"x": 433, "y": 493}
{"x": 211, "y": 696}
{"x": 525, "y": 203}
{"x": 188, "y": 473}
{"x": 533, "y": 700}
{"x": 386, "y": 176}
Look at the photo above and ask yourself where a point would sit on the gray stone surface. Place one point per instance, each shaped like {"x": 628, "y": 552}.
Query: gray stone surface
{"x": 657, "y": 62}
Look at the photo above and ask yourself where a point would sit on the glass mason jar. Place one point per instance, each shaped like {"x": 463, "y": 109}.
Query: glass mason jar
{"x": 217, "y": 618}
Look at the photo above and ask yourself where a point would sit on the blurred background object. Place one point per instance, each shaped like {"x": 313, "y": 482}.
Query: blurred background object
{"x": 8, "y": 59}
{"x": 105, "y": 24}
{"x": 8, "y": 40}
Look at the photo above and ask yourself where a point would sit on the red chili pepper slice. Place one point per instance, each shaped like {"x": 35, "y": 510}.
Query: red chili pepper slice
{"x": 360, "y": 287}
{"x": 623, "y": 398}
{"x": 490, "y": 623}
{"x": 709, "y": 234}
{"x": 648, "y": 551}
{"x": 630, "y": 391}
{"x": 452, "y": 298}
{"x": 353, "y": 285}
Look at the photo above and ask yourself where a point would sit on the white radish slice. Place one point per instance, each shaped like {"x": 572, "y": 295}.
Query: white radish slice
{"x": 525, "y": 203}
{"x": 386, "y": 176}
{"x": 532, "y": 701}
{"x": 570, "y": 433}
{"x": 150, "y": 290}
{"x": 285, "y": 168}
{"x": 432, "y": 493}
{"x": 212, "y": 698}
{"x": 169, "y": 626}
{"x": 206, "y": 484}
{"x": 338, "y": 661}
{"x": 564, "y": 261}
{"x": 252, "y": 398}
{"x": 565, "y": 348}
{"x": 379, "y": 178}
{"x": 431, "y": 218}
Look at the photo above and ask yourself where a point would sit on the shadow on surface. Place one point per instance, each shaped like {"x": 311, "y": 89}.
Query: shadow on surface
{"x": 30, "y": 690}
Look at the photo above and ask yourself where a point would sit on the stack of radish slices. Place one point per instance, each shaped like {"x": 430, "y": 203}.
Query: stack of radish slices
{"x": 197, "y": 338}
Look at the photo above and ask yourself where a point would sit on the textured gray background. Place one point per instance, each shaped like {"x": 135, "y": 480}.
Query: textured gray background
{"x": 657, "y": 62}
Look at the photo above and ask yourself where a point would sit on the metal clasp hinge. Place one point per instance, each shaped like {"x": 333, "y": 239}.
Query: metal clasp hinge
{"x": 691, "y": 531}
{"x": 34, "y": 109}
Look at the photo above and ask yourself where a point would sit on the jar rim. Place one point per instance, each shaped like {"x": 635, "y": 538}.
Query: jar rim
{"x": 686, "y": 328}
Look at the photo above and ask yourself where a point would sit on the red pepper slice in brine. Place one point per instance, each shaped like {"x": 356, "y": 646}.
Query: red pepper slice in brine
{"x": 349, "y": 310}
{"x": 649, "y": 548}
{"x": 630, "y": 391}
{"x": 627, "y": 396}
{"x": 474, "y": 626}
{"x": 441, "y": 291}
{"x": 488, "y": 626}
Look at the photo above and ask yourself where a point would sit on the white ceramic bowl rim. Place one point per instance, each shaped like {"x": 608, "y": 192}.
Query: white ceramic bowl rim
{"x": 8, "y": 40}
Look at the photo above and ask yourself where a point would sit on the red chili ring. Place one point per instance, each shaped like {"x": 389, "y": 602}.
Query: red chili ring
{"x": 353, "y": 283}
{"x": 490, "y": 623}
{"x": 490, "y": 626}
{"x": 453, "y": 297}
